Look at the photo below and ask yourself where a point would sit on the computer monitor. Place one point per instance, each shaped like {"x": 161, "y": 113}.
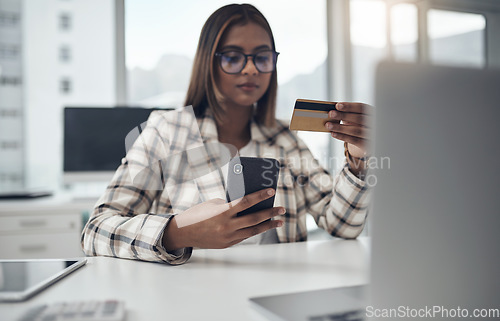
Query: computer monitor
{"x": 94, "y": 140}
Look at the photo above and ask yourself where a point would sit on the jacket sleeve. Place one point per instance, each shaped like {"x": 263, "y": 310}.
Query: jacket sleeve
{"x": 338, "y": 204}
{"x": 122, "y": 223}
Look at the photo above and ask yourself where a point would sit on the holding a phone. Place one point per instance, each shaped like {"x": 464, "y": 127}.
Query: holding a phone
{"x": 251, "y": 187}
{"x": 247, "y": 175}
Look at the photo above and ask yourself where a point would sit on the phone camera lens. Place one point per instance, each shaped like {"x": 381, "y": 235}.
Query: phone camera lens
{"x": 238, "y": 169}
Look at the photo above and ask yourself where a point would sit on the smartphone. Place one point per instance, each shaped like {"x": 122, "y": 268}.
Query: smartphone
{"x": 247, "y": 175}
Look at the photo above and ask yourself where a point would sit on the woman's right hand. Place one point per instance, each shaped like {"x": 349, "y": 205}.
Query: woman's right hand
{"x": 215, "y": 225}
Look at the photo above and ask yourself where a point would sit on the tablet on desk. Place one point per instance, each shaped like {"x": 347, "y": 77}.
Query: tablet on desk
{"x": 21, "y": 279}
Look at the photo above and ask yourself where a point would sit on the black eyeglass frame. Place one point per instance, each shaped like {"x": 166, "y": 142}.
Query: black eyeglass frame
{"x": 275, "y": 60}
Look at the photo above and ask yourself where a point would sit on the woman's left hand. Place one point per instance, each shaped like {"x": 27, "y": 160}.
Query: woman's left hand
{"x": 353, "y": 126}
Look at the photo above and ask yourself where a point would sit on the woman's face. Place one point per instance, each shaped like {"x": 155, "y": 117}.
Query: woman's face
{"x": 247, "y": 87}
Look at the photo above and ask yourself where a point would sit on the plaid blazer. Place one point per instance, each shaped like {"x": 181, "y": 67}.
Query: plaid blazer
{"x": 158, "y": 179}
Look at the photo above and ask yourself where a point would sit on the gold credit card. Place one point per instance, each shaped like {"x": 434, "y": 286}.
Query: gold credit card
{"x": 311, "y": 115}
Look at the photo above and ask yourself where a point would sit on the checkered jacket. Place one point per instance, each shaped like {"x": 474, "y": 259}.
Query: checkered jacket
{"x": 158, "y": 179}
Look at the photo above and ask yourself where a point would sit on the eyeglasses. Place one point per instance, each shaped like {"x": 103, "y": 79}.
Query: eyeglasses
{"x": 233, "y": 62}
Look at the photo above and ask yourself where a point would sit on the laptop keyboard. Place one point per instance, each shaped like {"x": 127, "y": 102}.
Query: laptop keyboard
{"x": 104, "y": 310}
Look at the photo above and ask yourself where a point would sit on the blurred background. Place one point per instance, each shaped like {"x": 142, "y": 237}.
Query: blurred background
{"x": 77, "y": 75}
{"x": 107, "y": 53}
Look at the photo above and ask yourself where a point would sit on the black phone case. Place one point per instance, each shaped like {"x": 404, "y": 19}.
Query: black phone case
{"x": 256, "y": 174}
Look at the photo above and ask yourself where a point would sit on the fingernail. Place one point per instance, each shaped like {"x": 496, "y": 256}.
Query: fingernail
{"x": 340, "y": 106}
{"x": 281, "y": 211}
{"x": 270, "y": 192}
{"x": 280, "y": 223}
{"x": 333, "y": 114}
{"x": 334, "y": 134}
{"x": 329, "y": 126}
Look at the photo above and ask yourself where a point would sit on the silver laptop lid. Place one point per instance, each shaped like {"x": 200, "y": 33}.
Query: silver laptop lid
{"x": 436, "y": 216}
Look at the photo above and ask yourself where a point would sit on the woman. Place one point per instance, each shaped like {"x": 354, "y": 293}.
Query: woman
{"x": 232, "y": 92}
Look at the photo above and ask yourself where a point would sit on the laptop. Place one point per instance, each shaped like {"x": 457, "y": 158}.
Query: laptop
{"x": 345, "y": 303}
{"x": 435, "y": 218}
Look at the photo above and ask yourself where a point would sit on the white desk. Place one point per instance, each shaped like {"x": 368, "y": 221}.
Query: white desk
{"x": 214, "y": 284}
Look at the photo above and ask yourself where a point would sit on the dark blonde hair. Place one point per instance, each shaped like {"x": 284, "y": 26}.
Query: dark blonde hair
{"x": 203, "y": 91}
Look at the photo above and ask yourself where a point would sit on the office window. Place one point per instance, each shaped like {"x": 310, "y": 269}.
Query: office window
{"x": 404, "y": 32}
{"x": 3, "y": 51}
{"x": 160, "y": 55}
{"x": 11, "y": 177}
{"x": 10, "y": 81}
{"x": 64, "y": 54}
{"x": 64, "y": 21}
{"x": 9, "y": 52}
{"x": 9, "y": 19}
{"x": 10, "y": 113}
{"x": 11, "y": 180}
{"x": 65, "y": 86}
{"x": 9, "y": 145}
{"x": 368, "y": 40}
{"x": 456, "y": 38}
